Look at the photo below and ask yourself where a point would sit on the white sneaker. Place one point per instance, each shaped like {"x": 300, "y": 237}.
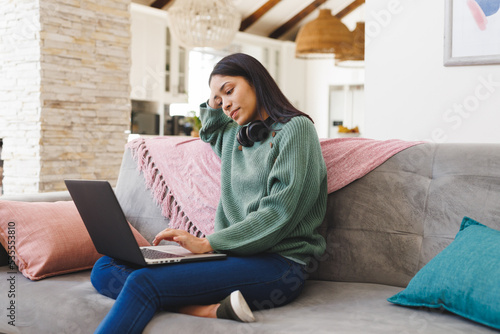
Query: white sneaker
{"x": 235, "y": 307}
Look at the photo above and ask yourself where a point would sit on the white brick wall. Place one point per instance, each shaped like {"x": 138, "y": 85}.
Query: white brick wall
{"x": 20, "y": 105}
{"x": 64, "y": 91}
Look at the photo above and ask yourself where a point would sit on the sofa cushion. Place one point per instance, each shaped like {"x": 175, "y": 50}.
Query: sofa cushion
{"x": 69, "y": 304}
{"x": 464, "y": 278}
{"x": 47, "y": 238}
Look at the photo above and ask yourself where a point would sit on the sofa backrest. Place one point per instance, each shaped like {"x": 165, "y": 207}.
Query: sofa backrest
{"x": 137, "y": 200}
{"x": 387, "y": 225}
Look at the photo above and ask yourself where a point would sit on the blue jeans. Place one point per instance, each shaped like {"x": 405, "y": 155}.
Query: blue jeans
{"x": 265, "y": 280}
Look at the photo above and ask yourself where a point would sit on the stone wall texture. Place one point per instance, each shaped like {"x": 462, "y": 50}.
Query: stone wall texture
{"x": 64, "y": 91}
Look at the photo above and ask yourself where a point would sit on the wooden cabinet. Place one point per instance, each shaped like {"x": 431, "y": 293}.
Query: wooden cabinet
{"x": 159, "y": 65}
{"x": 146, "y": 74}
{"x": 176, "y": 70}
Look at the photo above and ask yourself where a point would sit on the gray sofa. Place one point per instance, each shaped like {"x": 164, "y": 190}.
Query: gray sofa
{"x": 380, "y": 230}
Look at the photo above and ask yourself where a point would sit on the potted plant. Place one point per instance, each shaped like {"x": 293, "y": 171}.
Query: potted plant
{"x": 193, "y": 122}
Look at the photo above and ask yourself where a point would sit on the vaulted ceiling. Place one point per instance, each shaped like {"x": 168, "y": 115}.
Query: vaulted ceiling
{"x": 282, "y": 19}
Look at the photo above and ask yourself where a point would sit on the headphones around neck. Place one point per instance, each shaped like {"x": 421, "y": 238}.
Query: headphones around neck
{"x": 253, "y": 132}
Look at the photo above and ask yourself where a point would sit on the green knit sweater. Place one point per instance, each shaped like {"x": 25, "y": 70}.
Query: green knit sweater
{"x": 273, "y": 194}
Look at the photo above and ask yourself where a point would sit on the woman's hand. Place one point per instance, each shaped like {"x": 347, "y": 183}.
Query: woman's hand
{"x": 190, "y": 242}
{"x": 214, "y": 102}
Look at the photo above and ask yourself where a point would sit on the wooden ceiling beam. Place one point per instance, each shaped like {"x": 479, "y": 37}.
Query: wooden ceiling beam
{"x": 308, "y": 10}
{"x": 160, "y": 3}
{"x": 247, "y": 22}
{"x": 344, "y": 12}
{"x": 296, "y": 19}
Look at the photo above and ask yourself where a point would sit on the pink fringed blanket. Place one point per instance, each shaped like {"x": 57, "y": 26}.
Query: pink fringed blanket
{"x": 184, "y": 173}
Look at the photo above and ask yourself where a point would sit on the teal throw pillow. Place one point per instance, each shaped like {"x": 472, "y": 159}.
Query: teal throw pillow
{"x": 463, "y": 279}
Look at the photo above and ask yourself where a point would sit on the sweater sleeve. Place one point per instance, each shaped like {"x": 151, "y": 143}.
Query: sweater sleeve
{"x": 295, "y": 188}
{"x": 213, "y": 125}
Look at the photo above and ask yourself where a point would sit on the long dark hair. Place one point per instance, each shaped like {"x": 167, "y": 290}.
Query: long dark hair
{"x": 269, "y": 96}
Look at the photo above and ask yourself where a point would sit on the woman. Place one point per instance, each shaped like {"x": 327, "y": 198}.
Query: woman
{"x": 273, "y": 198}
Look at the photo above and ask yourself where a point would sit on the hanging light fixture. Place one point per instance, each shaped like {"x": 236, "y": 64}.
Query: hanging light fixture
{"x": 204, "y": 23}
{"x": 355, "y": 55}
{"x": 322, "y": 37}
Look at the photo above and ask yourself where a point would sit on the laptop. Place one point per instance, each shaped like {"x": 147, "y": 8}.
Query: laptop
{"x": 111, "y": 233}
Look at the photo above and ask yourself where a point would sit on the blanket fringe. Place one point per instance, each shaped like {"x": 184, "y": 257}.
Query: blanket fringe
{"x": 162, "y": 195}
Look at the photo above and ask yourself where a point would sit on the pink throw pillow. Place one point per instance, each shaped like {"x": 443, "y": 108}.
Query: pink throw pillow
{"x": 48, "y": 238}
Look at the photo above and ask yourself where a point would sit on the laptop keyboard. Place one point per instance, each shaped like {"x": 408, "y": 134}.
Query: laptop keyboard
{"x": 155, "y": 254}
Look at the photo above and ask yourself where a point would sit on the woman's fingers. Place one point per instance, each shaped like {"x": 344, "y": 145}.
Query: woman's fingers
{"x": 184, "y": 239}
{"x": 167, "y": 234}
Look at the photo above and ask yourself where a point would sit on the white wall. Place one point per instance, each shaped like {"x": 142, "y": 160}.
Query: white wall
{"x": 320, "y": 75}
{"x": 410, "y": 95}
{"x": 293, "y": 76}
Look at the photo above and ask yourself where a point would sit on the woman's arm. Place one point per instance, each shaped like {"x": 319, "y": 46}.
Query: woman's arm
{"x": 214, "y": 123}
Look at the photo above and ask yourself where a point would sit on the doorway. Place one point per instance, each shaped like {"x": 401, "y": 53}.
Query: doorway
{"x": 346, "y": 108}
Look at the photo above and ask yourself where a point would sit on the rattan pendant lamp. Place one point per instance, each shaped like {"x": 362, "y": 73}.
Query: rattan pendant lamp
{"x": 204, "y": 23}
{"x": 355, "y": 55}
{"x": 322, "y": 37}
